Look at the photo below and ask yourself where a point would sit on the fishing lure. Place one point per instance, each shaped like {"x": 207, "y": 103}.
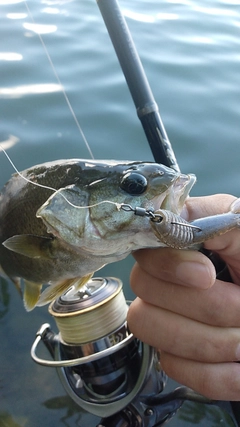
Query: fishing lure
{"x": 62, "y": 221}
{"x": 175, "y": 232}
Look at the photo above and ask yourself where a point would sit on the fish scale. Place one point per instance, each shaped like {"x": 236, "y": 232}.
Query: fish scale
{"x": 61, "y": 234}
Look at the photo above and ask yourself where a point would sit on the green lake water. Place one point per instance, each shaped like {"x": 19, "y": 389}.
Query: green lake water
{"x": 191, "y": 54}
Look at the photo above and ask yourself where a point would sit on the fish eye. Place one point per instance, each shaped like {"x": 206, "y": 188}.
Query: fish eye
{"x": 134, "y": 183}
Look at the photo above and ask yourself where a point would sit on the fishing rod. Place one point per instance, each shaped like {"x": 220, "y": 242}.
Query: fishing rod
{"x": 148, "y": 113}
{"x": 146, "y": 106}
{"x": 106, "y": 370}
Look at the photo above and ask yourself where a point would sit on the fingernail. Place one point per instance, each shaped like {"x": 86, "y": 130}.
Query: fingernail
{"x": 238, "y": 352}
{"x": 194, "y": 274}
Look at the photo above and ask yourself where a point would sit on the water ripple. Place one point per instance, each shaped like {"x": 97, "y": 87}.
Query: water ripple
{"x": 40, "y": 28}
{"x": 18, "y": 91}
{"x": 16, "y": 15}
{"x": 10, "y": 56}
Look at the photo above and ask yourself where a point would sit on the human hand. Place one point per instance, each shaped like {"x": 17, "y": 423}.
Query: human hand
{"x": 183, "y": 310}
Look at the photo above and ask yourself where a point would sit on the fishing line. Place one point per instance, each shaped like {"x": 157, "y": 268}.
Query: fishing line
{"x": 139, "y": 211}
{"x": 60, "y": 83}
{"x": 118, "y": 205}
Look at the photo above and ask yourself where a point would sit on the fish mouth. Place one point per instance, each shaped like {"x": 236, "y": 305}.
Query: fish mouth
{"x": 175, "y": 196}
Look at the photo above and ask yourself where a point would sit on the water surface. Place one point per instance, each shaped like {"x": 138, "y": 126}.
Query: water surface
{"x": 191, "y": 54}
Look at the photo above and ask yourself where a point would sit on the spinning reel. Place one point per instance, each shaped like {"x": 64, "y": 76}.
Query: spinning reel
{"x": 102, "y": 366}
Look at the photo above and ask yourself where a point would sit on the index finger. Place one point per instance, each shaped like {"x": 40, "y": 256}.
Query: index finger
{"x": 226, "y": 245}
{"x": 182, "y": 267}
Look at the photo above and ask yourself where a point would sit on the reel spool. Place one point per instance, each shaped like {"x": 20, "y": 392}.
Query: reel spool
{"x": 92, "y": 313}
{"x": 101, "y": 364}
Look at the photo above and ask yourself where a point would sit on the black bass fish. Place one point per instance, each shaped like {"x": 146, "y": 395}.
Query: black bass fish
{"x": 62, "y": 221}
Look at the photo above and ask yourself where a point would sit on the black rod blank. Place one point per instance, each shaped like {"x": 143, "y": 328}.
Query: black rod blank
{"x": 146, "y": 106}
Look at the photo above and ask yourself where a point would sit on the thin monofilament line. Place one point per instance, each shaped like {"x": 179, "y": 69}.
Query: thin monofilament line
{"x": 36, "y": 184}
{"x": 60, "y": 83}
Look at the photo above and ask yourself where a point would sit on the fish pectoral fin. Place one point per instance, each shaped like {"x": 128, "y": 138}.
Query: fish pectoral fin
{"x": 53, "y": 291}
{"x": 29, "y": 245}
{"x": 31, "y": 294}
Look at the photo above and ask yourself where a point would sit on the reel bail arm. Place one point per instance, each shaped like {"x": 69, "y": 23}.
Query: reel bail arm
{"x": 112, "y": 375}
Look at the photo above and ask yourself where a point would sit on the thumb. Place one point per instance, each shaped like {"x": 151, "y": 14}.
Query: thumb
{"x": 199, "y": 207}
{"x": 226, "y": 245}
